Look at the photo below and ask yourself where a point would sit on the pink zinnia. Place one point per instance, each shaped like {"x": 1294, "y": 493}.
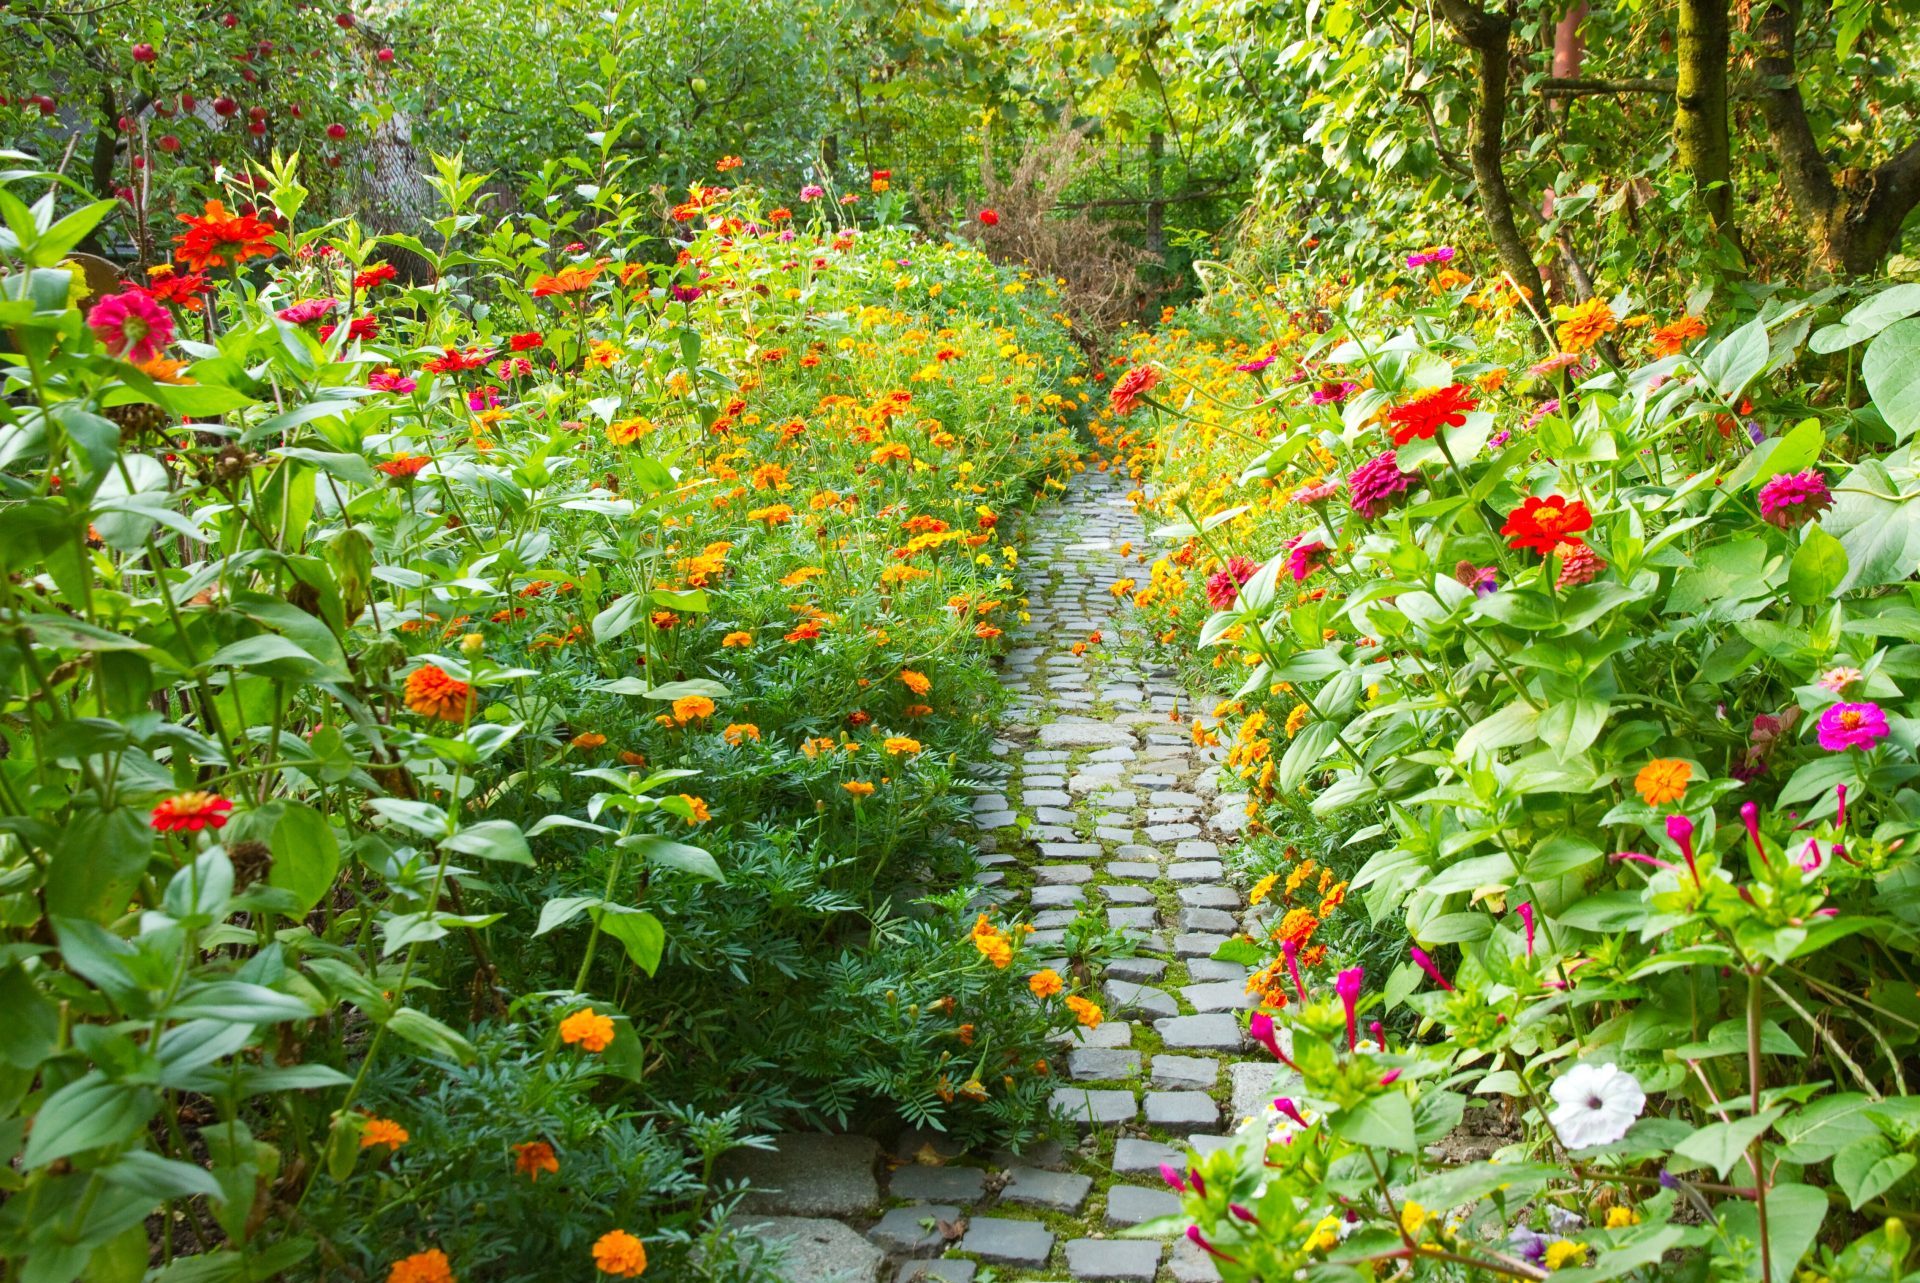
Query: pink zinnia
{"x": 1376, "y": 484}
{"x": 1223, "y": 586}
{"x": 133, "y": 325}
{"x": 1320, "y": 493}
{"x": 307, "y": 312}
{"x": 1795, "y": 498}
{"x": 1304, "y": 556}
{"x": 1333, "y": 393}
{"x": 1847, "y": 726}
{"x": 391, "y": 381}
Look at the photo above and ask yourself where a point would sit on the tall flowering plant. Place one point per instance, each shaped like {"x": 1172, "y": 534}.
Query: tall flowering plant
{"x": 1602, "y": 658}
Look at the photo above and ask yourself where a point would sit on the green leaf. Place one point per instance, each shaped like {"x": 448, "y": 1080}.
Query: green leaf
{"x": 1794, "y": 1215}
{"x": 423, "y": 1031}
{"x": 1241, "y": 950}
{"x": 306, "y": 854}
{"x": 1891, "y": 370}
{"x": 1868, "y": 1169}
{"x": 1825, "y": 1127}
{"x": 1819, "y": 567}
{"x": 1881, "y": 533}
{"x": 680, "y": 690}
{"x": 1721, "y": 1145}
{"x": 669, "y": 854}
{"x": 1607, "y": 912}
{"x": 1736, "y": 359}
{"x": 560, "y": 910}
{"x": 492, "y": 840}
{"x": 88, "y": 1113}
{"x": 618, "y": 618}
{"x": 1383, "y": 1122}
{"x": 644, "y": 936}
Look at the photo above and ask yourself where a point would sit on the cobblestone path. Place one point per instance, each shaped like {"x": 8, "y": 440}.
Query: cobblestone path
{"x": 1105, "y": 802}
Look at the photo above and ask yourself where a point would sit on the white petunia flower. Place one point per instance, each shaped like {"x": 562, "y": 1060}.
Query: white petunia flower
{"x": 1596, "y": 1105}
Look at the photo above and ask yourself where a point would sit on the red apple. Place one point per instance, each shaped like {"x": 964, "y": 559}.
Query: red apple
{"x": 224, "y": 106}
{"x": 336, "y": 132}
{"x": 169, "y": 143}
{"x": 144, "y": 52}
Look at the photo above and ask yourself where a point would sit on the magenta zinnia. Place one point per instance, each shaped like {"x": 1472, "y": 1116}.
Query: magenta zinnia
{"x": 1223, "y": 586}
{"x": 1795, "y": 498}
{"x": 1304, "y": 556}
{"x": 1377, "y": 484}
{"x": 1847, "y": 726}
{"x": 133, "y": 325}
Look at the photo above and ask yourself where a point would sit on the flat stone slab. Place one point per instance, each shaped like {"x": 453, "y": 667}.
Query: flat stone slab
{"x": 1057, "y": 897}
{"x": 911, "y": 1231}
{"x": 1222, "y": 996}
{"x": 1255, "y": 1084}
{"x": 938, "y": 1184}
{"x": 1113, "y": 1258}
{"x": 1169, "y": 832}
{"x": 1088, "y": 1108}
{"x": 1111, "y": 1033}
{"x": 1181, "y": 1109}
{"x": 1207, "y": 920}
{"x": 1097, "y": 1064}
{"x": 1191, "y": 1264}
{"x": 1064, "y": 874}
{"x": 1214, "y": 1032}
{"x": 1197, "y": 944}
{"x": 1086, "y": 735}
{"x": 1056, "y": 1191}
{"x": 807, "y": 1174}
{"x": 1002, "y": 1241}
{"x": 1196, "y": 871}
{"x": 1206, "y": 970}
{"x": 937, "y": 1272}
{"x": 1140, "y": 917}
{"x": 816, "y": 1250}
{"x": 1121, "y": 893}
{"x": 1131, "y": 1155}
{"x": 1184, "y": 1071}
{"x": 1069, "y": 850}
{"x": 1209, "y": 896}
{"x": 1131, "y": 1204}
{"x": 1132, "y": 869}
{"x": 1138, "y": 970}
{"x": 1129, "y": 999}
{"x": 1196, "y": 849}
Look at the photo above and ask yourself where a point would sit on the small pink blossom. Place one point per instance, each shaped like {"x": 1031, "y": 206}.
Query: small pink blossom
{"x": 1794, "y": 498}
{"x": 134, "y": 326}
{"x": 1845, "y": 726}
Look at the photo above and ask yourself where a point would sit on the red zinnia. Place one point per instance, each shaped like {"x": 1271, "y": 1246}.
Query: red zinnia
{"x": 1133, "y": 385}
{"x": 1544, "y": 524}
{"x": 374, "y": 275}
{"x": 990, "y": 218}
{"x": 1430, "y": 411}
{"x": 525, "y": 342}
{"x": 217, "y": 238}
{"x": 191, "y": 812}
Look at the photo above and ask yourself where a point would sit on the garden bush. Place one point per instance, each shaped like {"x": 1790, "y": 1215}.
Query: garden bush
{"x": 475, "y": 750}
{"x": 1589, "y": 673}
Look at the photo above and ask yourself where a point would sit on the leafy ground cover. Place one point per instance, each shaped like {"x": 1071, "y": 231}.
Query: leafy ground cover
{"x": 1585, "y": 681}
{"x": 476, "y": 751}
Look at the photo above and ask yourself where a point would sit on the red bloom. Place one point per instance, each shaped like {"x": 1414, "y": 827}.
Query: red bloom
{"x": 217, "y": 238}
{"x": 990, "y": 218}
{"x": 182, "y": 292}
{"x": 191, "y": 812}
{"x": 1430, "y": 411}
{"x": 525, "y": 342}
{"x": 374, "y": 275}
{"x": 453, "y": 360}
{"x": 1223, "y": 586}
{"x": 361, "y": 329}
{"x": 1133, "y": 385}
{"x": 404, "y": 466}
{"x": 1545, "y": 524}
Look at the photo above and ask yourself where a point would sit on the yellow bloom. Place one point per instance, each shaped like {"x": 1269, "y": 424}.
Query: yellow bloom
{"x": 1563, "y": 1252}
{"x": 898, "y": 744}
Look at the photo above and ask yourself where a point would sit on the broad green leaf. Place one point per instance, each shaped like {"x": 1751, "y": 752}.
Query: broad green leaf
{"x": 1891, "y": 370}
{"x": 88, "y": 1113}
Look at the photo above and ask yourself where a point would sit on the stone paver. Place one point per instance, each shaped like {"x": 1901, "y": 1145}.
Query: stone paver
{"x": 817, "y": 1250}
{"x": 1094, "y": 1107}
{"x": 1132, "y": 1204}
{"x": 807, "y": 1174}
{"x": 1055, "y": 1191}
{"x": 1180, "y": 1110}
{"x": 1126, "y": 1259}
{"x": 1001, "y": 1241}
{"x": 913, "y": 1230}
{"x": 938, "y": 1184}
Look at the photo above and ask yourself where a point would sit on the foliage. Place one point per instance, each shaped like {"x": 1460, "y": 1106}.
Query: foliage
{"x": 1605, "y": 675}
{"x": 524, "y": 706}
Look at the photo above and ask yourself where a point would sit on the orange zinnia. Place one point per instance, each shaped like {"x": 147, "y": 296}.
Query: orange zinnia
{"x": 1672, "y": 338}
{"x": 568, "y": 280}
{"x": 217, "y": 238}
{"x": 431, "y": 693}
{"x": 1663, "y": 780}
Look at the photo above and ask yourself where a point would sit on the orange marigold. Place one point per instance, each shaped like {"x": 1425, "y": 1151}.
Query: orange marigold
{"x": 859, "y": 788}
{"x": 588, "y": 1028}
{"x": 1087, "y": 1013}
{"x": 620, "y": 1254}
{"x": 738, "y": 733}
{"x": 534, "y": 1157}
{"x": 918, "y": 683}
{"x": 698, "y": 807}
{"x": 1672, "y": 338}
{"x": 732, "y": 640}
{"x": 382, "y": 1131}
{"x": 1045, "y": 983}
{"x": 691, "y": 708}
{"x": 898, "y": 744}
{"x": 431, "y": 693}
{"x": 589, "y": 740}
{"x": 422, "y": 1267}
{"x": 1663, "y": 780}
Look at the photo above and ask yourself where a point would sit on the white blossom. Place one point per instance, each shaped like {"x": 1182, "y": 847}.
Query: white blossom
{"x": 1596, "y": 1105}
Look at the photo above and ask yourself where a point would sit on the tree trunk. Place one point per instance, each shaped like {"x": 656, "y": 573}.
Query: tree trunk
{"x": 1156, "y": 192}
{"x": 1700, "y": 95}
{"x": 1486, "y": 35}
{"x": 1856, "y": 221}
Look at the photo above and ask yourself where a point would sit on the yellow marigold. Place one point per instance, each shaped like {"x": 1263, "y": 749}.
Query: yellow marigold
{"x": 1618, "y": 1218}
{"x": 769, "y": 476}
{"x": 1563, "y": 1252}
{"x": 895, "y": 575}
{"x": 382, "y": 1131}
{"x": 691, "y": 708}
{"x": 534, "y": 1157}
{"x": 1412, "y": 1217}
{"x": 1585, "y": 324}
{"x": 1663, "y": 780}
{"x": 589, "y": 739}
{"x": 1297, "y": 718}
{"x": 620, "y": 1254}
{"x": 738, "y": 733}
{"x": 918, "y": 683}
{"x": 430, "y": 1266}
{"x": 628, "y": 431}
{"x": 1325, "y": 1236}
{"x": 859, "y": 788}
{"x": 1045, "y": 983}
{"x": 1122, "y": 587}
{"x": 1087, "y": 1013}
{"x": 734, "y": 639}
{"x": 898, "y": 744}
{"x": 587, "y": 1028}
{"x": 801, "y": 576}
{"x": 992, "y": 942}
{"x": 1262, "y": 889}
{"x": 778, "y": 514}
{"x": 892, "y": 452}
{"x": 699, "y": 808}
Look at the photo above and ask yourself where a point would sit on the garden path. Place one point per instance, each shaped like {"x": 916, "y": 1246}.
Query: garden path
{"x": 1106, "y": 802}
